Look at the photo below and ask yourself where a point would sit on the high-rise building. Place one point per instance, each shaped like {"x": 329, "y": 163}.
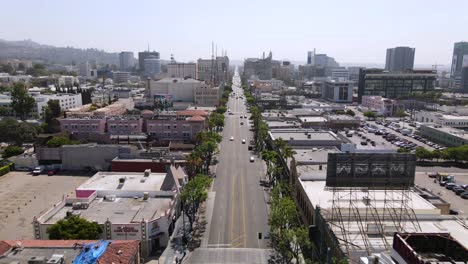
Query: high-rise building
{"x": 84, "y": 69}
{"x": 309, "y": 57}
{"x": 143, "y": 55}
{"x": 182, "y": 70}
{"x": 152, "y": 66}
{"x": 459, "y": 60}
{"x": 394, "y": 85}
{"x": 261, "y": 68}
{"x": 126, "y": 59}
{"x": 213, "y": 70}
{"x": 400, "y": 59}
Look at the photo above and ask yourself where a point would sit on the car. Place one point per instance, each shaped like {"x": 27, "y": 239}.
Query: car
{"x": 453, "y": 212}
{"x": 241, "y": 123}
{"x": 245, "y": 116}
{"x": 241, "y": 116}
{"x": 231, "y": 139}
{"x": 464, "y": 195}
{"x": 38, "y": 170}
{"x": 252, "y": 159}
{"x": 443, "y": 183}
{"x": 52, "y": 172}
{"x": 459, "y": 191}
{"x": 243, "y": 141}
{"x": 433, "y": 174}
{"x": 363, "y": 142}
{"x": 250, "y": 147}
{"x": 450, "y": 186}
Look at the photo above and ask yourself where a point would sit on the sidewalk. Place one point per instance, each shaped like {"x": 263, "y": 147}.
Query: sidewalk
{"x": 175, "y": 249}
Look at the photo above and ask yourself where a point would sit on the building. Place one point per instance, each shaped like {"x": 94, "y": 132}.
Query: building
{"x": 120, "y": 76}
{"x": 182, "y": 70}
{"x": 399, "y": 59}
{"x": 144, "y": 55}
{"x": 126, "y": 60}
{"x": 382, "y": 106}
{"x": 129, "y": 206}
{"x": 447, "y": 136}
{"x": 338, "y": 91}
{"x": 124, "y": 125}
{"x": 304, "y": 137}
{"x": 449, "y": 120}
{"x": 459, "y": 60}
{"x": 261, "y": 68}
{"x": 265, "y": 86}
{"x": 69, "y": 251}
{"x": 393, "y": 85}
{"x": 91, "y": 157}
{"x": 175, "y": 127}
{"x": 66, "y": 101}
{"x": 206, "y": 95}
{"x": 341, "y": 74}
{"x": 152, "y": 66}
{"x": 177, "y": 89}
{"x": 464, "y": 80}
{"x": 342, "y": 121}
{"x": 215, "y": 71}
{"x": 67, "y": 81}
{"x": 84, "y": 69}
{"x": 83, "y": 127}
{"x": 309, "y": 57}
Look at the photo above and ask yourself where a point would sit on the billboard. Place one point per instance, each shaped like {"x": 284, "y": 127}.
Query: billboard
{"x": 371, "y": 170}
{"x": 126, "y": 231}
{"x": 163, "y": 97}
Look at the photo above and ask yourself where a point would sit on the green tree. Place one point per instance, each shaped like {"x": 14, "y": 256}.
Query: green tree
{"x": 75, "y": 227}
{"x": 400, "y": 113}
{"x": 403, "y": 150}
{"x": 370, "y": 115}
{"x": 12, "y": 151}
{"x": 193, "y": 194}
{"x": 271, "y": 159}
{"x": 422, "y": 153}
{"x": 350, "y": 112}
{"x": 54, "y": 106}
{"x": 58, "y": 141}
{"x": 21, "y": 102}
{"x": 216, "y": 120}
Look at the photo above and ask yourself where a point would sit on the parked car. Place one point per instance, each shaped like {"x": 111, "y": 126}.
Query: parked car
{"x": 52, "y": 172}
{"x": 38, "y": 170}
{"x": 464, "y": 195}
{"x": 450, "y": 185}
{"x": 459, "y": 191}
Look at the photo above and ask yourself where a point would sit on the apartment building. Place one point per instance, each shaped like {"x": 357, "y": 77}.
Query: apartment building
{"x": 124, "y": 125}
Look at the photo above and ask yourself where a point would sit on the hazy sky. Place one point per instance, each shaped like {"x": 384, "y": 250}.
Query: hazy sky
{"x": 349, "y": 30}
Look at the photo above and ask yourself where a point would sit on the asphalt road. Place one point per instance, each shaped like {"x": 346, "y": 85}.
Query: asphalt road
{"x": 240, "y": 209}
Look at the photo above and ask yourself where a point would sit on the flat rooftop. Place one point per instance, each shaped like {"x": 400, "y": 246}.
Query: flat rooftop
{"x": 301, "y": 135}
{"x": 321, "y": 196}
{"x": 282, "y": 124}
{"x": 134, "y": 181}
{"x": 122, "y": 210}
{"x": 449, "y": 130}
{"x": 313, "y": 155}
{"x": 313, "y": 119}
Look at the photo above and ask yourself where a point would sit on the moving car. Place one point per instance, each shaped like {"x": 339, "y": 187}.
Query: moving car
{"x": 243, "y": 141}
{"x": 242, "y": 123}
{"x": 252, "y": 159}
{"x": 250, "y": 147}
{"x": 231, "y": 139}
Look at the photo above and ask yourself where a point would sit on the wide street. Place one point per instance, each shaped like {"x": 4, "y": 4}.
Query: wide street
{"x": 240, "y": 209}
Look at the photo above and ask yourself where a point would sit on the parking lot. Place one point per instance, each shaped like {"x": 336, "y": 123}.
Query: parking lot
{"x": 456, "y": 201}
{"x": 24, "y": 196}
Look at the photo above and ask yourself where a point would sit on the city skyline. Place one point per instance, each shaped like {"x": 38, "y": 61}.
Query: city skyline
{"x": 246, "y": 29}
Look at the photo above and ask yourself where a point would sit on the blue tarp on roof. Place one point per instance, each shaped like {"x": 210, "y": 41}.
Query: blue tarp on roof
{"x": 91, "y": 252}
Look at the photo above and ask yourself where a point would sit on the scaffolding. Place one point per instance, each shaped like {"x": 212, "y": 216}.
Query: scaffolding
{"x": 365, "y": 216}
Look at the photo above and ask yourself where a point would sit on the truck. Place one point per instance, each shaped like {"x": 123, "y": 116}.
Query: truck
{"x": 445, "y": 178}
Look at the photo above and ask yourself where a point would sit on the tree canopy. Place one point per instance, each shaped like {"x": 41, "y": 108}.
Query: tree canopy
{"x": 21, "y": 102}
{"x": 193, "y": 194}
{"x": 74, "y": 227}
{"x": 58, "y": 141}
{"x": 18, "y": 132}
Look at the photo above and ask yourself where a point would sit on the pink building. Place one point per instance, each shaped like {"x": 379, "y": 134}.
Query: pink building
{"x": 379, "y": 104}
{"x": 175, "y": 128}
{"x": 124, "y": 125}
{"x": 83, "y": 125}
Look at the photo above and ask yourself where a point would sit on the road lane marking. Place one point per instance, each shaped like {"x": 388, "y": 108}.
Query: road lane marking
{"x": 243, "y": 210}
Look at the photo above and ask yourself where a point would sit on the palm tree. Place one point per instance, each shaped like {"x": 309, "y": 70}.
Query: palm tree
{"x": 271, "y": 158}
{"x": 194, "y": 163}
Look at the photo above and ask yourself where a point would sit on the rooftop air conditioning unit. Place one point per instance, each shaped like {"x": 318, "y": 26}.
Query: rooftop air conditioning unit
{"x": 147, "y": 172}
{"x": 37, "y": 260}
{"x": 56, "y": 259}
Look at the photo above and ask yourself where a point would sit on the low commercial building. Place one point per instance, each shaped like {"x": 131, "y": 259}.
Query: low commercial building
{"x": 338, "y": 91}
{"x": 69, "y": 251}
{"x": 304, "y": 137}
{"x": 129, "y": 206}
{"x": 175, "y": 127}
{"x": 447, "y": 136}
{"x": 342, "y": 121}
{"x": 207, "y": 96}
{"x": 265, "y": 86}
{"x": 450, "y": 120}
{"x": 83, "y": 126}
{"x": 120, "y": 76}
{"x": 178, "y": 89}
{"x": 380, "y": 105}
{"x": 313, "y": 121}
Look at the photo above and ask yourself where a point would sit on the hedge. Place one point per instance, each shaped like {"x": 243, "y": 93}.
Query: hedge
{"x": 4, "y": 170}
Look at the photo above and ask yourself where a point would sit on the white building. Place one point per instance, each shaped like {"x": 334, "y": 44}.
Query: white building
{"x": 182, "y": 70}
{"x": 120, "y": 76}
{"x": 379, "y": 104}
{"x": 459, "y": 121}
{"x": 67, "y": 81}
{"x": 340, "y": 74}
{"x": 126, "y": 60}
{"x": 179, "y": 89}
{"x": 67, "y": 101}
{"x": 152, "y": 66}
{"x": 129, "y": 206}
{"x": 338, "y": 91}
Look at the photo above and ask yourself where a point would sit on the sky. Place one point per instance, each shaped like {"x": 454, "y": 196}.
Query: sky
{"x": 351, "y": 31}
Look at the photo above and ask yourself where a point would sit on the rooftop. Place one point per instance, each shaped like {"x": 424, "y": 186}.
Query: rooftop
{"x": 104, "y": 181}
{"x": 449, "y": 130}
{"x": 120, "y": 210}
{"x": 313, "y": 119}
{"x": 301, "y": 134}
{"x": 69, "y": 248}
{"x": 178, "y": 80}
{"x": 313, "y": 155}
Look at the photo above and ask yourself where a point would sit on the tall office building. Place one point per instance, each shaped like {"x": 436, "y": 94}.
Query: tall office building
{"x": 84, "y": 69}
{"x": 213, "y": 70}
{"x": 261, "y": 68}
{"x": 459, "y": 61}
{"x": 152, "y": 66}
{"x": 400, "y": 59}
{"x": 309, "y": 57}
{"x": 144, "y": 55}
{"x": 126, "y": 59}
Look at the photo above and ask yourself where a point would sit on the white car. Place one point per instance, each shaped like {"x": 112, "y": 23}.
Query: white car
{"x": 243, "y": 141}
{"x": 231, "y": 139}
{"x": 252, "y": 159}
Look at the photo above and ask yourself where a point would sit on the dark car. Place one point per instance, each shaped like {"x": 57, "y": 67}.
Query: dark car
{"x": 450, "y": 186}
{"x": 459, "y": 191}
{"x": 442, "y": 183}
{"x": 464, "y": 195}
{"x": 52, "y": 172}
